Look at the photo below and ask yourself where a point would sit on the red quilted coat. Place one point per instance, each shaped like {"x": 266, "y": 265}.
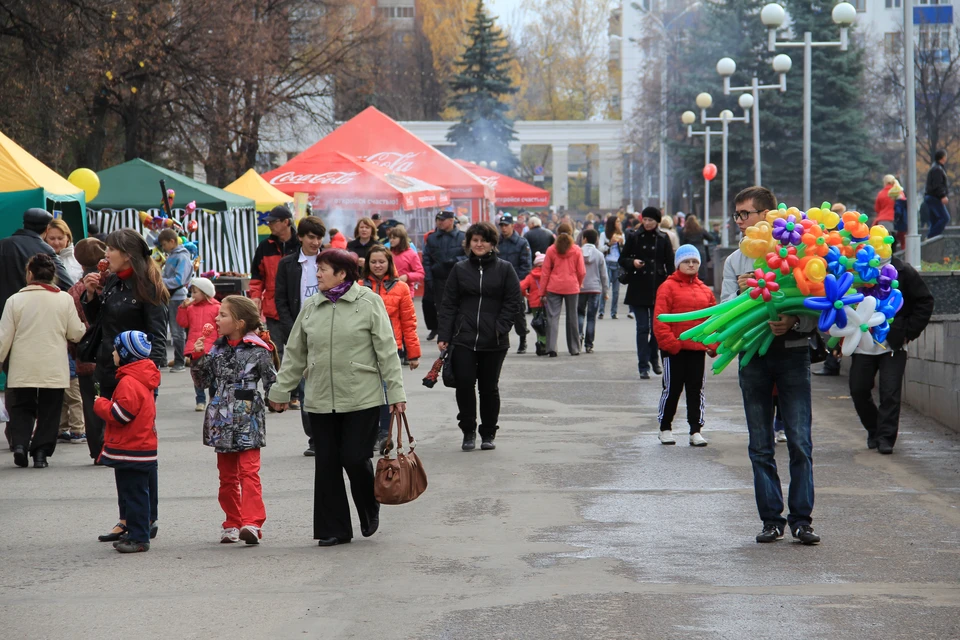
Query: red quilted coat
{"x": 530, "y": 288}
{"x": 130, "y": 432}
{"x": 403, "y": 315}
{"x": 680, "y": 294}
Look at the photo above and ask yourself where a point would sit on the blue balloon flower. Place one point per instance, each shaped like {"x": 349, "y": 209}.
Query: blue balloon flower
{"x": 836, "y": 262}
{"x": 832, "y": 303}
{"x": 867, "y": 264}
{"x": 891, "y": 304}
{"x": 880, "y": 332}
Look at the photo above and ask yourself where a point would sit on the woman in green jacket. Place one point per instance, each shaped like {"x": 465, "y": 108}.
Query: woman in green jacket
{"x": 342, "y": 344}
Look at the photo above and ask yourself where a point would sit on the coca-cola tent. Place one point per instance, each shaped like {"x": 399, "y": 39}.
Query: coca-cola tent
{"x": 510, "y": 192}
{"x": 374, "y": 137}
{"x": 335, "y": 180}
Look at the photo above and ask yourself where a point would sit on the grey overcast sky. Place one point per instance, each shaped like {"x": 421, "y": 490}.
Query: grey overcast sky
{"x": 508, "y": 11}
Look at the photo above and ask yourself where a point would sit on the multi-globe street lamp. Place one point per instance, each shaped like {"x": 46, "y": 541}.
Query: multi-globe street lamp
{"x": 773, "y": 16}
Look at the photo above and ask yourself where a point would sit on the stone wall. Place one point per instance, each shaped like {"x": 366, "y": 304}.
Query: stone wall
{"x": 931, "y": 384}
{"x": 945, "y": 287}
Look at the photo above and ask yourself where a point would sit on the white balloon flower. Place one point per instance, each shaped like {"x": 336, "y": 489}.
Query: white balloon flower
{"x": 859, "y": 323}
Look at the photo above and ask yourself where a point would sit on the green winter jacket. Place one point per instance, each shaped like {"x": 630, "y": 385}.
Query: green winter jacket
{"x": 345, "y": 350}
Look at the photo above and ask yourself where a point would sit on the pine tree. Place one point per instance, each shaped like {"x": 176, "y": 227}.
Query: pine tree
{"x": 484, "y": 131}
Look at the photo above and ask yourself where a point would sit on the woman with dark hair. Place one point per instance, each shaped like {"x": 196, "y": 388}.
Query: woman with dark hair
{"x": 133, "y": 298}
{"x": 405, "y": 258}
{"x": 342, "y": 342}
{"x": 696, "y": 235}
{"x": 36, "y": 325}
{"x": 611, "y": 242}
{"x": 563, "y": 274}
{"x": 480, "y": 306}
{"x": 364, "y": 237}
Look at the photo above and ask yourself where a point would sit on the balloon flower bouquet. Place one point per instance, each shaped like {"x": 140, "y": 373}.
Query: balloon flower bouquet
{"x": 815, "y": 263}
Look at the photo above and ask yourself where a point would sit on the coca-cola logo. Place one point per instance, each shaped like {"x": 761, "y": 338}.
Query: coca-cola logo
{"x": 392, "y": 160}
{"x": 330, "y": 177}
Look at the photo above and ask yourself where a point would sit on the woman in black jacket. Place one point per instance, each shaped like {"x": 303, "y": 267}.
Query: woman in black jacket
{"x": 133, "y": 298}
{"x": 480, "y": 304}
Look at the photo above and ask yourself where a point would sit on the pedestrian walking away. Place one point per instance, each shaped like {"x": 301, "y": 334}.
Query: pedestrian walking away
{"x": 683, "y": 360}
{"x": 234, "y": 423}
{"x": 594, "y": 290}
{"x": 344, "y": 341}
{"x": 479, "y": 308}
{"x": 563, "y": 274}
{"x": 515, "y": 249}
{"x": 936, "y": 195}
{"x": 441, "y": 252}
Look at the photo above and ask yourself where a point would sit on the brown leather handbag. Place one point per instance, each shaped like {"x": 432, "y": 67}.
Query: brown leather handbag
{"x": 401, "y": 479}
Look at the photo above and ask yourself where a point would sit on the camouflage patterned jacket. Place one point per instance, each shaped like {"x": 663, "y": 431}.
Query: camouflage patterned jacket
{"x": 235, "y": 418}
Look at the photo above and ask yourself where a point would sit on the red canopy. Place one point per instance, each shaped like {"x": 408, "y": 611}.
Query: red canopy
{"x": 510, "y": 192}
{"x": 376, "y": 138}
{"x": 334, "y": 179}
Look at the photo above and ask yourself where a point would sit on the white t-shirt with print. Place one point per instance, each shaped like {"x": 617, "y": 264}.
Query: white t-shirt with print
{"x": 309, "y": 284}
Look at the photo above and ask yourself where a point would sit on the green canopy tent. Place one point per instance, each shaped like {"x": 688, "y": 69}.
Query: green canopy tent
{"x": 227, "y": 234}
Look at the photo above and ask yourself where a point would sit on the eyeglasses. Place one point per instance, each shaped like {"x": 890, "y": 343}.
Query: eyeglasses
{"x": 743, "y": 215}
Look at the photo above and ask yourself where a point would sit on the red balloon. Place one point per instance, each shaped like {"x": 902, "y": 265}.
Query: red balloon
{"x": 192, "y": 226}
{"x": 710, "y": 172}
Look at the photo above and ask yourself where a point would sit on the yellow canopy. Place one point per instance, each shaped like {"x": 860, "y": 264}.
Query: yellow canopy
{"x": 251, "y": 185}
{"x": 20, "y": 171}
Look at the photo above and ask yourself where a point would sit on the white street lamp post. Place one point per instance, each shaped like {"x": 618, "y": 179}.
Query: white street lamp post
{"x": 726, "y": 67}
{"x": 688, "y": 118}
{"x": 913, "y": 196}
{"x": 773, "y": 16}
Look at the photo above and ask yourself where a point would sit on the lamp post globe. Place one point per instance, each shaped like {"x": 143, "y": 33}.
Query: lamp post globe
{"x": 782, "y": 63}
{"x": 726, "y": 67}
{"x": 726, "y": 114}
{"x": 745, "y": 101}
{"x": 772, "y": 15}
{"x": 844, "y": 14}
{"x": 688, "y": 117}
{"x": 493, "y": 164}
{"x": 483, "y": 163}
{"x": 704, "y": 100}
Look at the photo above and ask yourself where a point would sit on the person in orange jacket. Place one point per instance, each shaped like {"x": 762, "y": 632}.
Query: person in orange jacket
{"x": 530, "y": 288}
{"x": 380, "y": 275}
{"x": 683, "y": 360}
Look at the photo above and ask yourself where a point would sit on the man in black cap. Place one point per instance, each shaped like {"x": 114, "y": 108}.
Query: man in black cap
{"x": 647, "y": 259}
{"x": 17, "y": 250}
{"x": 443, "y": 249}
{"x": 515, "y": 249}
{"x": 282, "y": 242}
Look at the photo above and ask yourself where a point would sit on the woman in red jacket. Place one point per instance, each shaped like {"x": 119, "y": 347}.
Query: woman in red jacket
{"x": 380, "y": 274}
{"x": 683, "y": 360}
{"x": 563, "y": 273}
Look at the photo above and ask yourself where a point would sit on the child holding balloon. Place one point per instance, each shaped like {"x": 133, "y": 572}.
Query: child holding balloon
{"x": 683, "y": 360}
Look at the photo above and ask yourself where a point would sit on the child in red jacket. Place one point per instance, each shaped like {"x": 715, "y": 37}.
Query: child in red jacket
{"x": 130, "y": 434}
{"x": 530, "y": 288}
{"x": 683, "y": 360}
{"x": 197, "y": 311}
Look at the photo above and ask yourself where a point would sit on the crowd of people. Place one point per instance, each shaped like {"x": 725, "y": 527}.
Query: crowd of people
{"x": 329, "y": 323}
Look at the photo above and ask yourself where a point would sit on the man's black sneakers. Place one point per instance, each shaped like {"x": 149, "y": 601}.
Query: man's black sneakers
{"x": 804, "y": 533}
{"x": 771, "y": 533}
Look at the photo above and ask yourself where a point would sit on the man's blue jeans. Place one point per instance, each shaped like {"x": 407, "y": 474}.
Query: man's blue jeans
{"x": 646, "y": 341}
{"x": 587, "y": 306}
{"x": 939, "y": 216}
{"x": 789, "y": 369}
{"x": 613, "y": 274}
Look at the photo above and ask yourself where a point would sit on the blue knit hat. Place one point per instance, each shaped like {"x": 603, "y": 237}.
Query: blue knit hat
{"x": 685, "y": 252}
{"x": 132, "y": 346}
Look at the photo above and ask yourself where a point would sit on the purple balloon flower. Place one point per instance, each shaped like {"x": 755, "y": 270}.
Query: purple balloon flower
{"x": 887, "y": 280}
{"x": 787, "y": 230}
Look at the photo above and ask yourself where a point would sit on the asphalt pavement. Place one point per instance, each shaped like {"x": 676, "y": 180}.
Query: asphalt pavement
{"x": 579, "y": 525}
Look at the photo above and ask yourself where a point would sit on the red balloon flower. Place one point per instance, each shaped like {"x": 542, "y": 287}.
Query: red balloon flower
{"x": 763, "y": 284}
{"x": 785, "y": 259}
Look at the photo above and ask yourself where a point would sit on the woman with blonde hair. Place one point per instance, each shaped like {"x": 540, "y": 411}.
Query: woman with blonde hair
{"x": 563, "y": 274}
{"x": 60, "y": 239}
{"x": 666, "y": 223}
{"x": 883, "y": 205}
{"x": 364, "y": 237}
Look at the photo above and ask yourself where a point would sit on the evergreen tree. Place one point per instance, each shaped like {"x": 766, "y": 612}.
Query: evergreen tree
{"x": 484, "y": 131}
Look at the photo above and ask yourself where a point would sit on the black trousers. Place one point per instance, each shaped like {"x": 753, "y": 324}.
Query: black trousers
{"x": 343, "y": 442}
{"x": 278, "y": 334}
{"x": 683, "y": 371}
{"x": 92, "y": 424}
{"x": 521, "y": 326}
{"x": 152, "y": 481}
{"x": 95, "y": 425}
{"x": 881, "y": 423}
{"x": 473, "y": 370}
{"x": 135, "y": 491}
{"x": 28, "y": 406}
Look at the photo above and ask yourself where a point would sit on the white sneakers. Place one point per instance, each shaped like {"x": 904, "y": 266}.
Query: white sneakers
{"x": 781, "y": 436}
{"x": 666, "y": 437}
{"x": 230, "y": 535}
{"x": 697, "y": 440}
{"x": 250, "y": 534}
{"x": 201, "y": 406}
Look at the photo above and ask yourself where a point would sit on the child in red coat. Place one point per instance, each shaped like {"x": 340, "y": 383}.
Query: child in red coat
{"x": 130, "y": 434}
{"x": 683, "y": 360}
{"x": 197, "y": 311}
{"x": 530, "y": 288}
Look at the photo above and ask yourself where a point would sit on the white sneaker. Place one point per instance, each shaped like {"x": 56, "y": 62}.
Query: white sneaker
{"x": 697, "y": 440}
{"x": 781, "y": 436}
{"x": 230, "y": 535}
{"x": 250, "y": 534}
{"x": 666, "y": 437}
{"x": 201, "y": 406}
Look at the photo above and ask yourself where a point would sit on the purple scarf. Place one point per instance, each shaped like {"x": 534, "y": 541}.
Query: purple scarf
{"x": 335, "y": 293}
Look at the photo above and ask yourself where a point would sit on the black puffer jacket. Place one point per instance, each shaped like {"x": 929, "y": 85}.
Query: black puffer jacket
{"x": 516, "y": 251}
{"x": 917, "y": 308}
{"x": 119, "y": 310}
{"x": 480, "y": 304}
{"x": 442, "y": 252}
{"x": 15, "y": 252}
{"x": 656, "y": 251}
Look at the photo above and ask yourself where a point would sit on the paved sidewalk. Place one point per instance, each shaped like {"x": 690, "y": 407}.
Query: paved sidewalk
{"x": 579, "y": 525}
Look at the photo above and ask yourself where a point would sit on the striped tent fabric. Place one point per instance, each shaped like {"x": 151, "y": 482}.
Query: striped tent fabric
{"x": 227, "y": 240}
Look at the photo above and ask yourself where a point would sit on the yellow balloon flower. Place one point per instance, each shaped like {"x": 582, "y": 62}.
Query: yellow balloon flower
{"x": 758, "y": 240}
{"x": 881, "y": 240}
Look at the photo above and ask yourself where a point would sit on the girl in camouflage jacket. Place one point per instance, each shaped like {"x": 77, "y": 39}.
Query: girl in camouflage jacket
{"x": 234, "y": 422}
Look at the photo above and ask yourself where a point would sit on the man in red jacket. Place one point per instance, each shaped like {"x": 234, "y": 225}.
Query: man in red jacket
{"x": 283, "y": 241}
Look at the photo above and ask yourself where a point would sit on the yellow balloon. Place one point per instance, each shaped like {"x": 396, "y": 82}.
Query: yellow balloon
{"x": 87, "y": 180}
